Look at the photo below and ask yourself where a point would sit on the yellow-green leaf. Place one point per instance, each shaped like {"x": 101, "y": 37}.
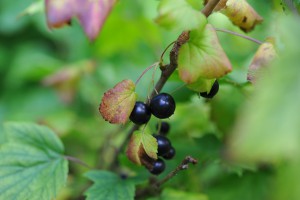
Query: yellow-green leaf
{"x": 179, "y": 15}
{"x": 117, "y": 103}
{"x": 202, "y": 57}
{"x": 142, "y": 146}
{"x": 201, "y": 85}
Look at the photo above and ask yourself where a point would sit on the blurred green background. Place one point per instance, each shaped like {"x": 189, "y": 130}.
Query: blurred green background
{"x": 57, "y": 78}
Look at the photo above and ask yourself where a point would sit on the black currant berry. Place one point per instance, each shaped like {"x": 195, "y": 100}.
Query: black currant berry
{"x": 164, "y": 145}
{"x": 214, "y": 90}
{"x": 163, "y": 129}
{"x": 158, "y": 167}
{"x": 162, "y": 105}
{"x": 140, "y": 114}
{"x": 170, "y": 154}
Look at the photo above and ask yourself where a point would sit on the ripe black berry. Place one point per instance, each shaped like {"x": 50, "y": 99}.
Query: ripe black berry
{"x": 158, "y": 167}
{"x": 163, "y": 129}
{"x": 162, "y": 105}
{"x": 163, "y": 143}
{"x": 170, "y": 154}
{"x": 214, "y": 90}
{"x": 140, "y": 114}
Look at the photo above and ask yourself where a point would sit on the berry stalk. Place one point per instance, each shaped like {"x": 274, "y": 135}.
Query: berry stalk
{"x": 166, "y": 72}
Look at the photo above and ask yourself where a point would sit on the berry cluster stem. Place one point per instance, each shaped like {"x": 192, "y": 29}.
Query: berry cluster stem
{"x": 166, "y": 72}
{"x": 154, "y": 186}
{"x": 184, "y": 165}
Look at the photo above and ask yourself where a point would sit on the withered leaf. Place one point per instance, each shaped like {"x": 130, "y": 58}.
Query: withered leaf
{"x": 202, "y": 57}
{"x": 118, "y": 103}
{"x": 142, "y": 148}
{"x": 91, "y": 14}
{"x": 240, "y": 13}
{"x": 263, "y": 56}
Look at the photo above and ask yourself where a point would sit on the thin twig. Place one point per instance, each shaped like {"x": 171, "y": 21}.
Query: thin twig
{"x": 209, "y": 7}
{"x": 144, "y": 72}
{"x": 78, "y": 161}
{"x": 184, "y": 165}
{"x": 239, "y": 35}
{"x": 154, "y": 186}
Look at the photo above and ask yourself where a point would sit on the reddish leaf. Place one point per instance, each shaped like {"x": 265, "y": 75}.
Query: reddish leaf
{"x": 117, "y": 103}
{"x": 142, "y": 148}
{"x": 91, "y": 14}
{"x": 264, "y": 55}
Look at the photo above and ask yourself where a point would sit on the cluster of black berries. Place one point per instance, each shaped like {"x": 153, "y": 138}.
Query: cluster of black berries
{"x": 161, "y": 106}
{"x": 165, "y": 148}
{"x": 214, "y": 90}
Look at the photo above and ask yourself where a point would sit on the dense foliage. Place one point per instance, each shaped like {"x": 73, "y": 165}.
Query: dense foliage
{"x": 244, "y": 134}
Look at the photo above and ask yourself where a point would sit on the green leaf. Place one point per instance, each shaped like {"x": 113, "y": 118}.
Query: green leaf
{"x": 174, "y": 194}
{"x": 141, "y": 146}
{"x": 268, "y": 127}
{"x": 32, "y": 165}
{"x": 34, "y": 8}
{"x": 202, "y": 57}
{"x": 201, "y": 85}
{"x": 117, "y": 103}
{"x": 109, "y": 186}
{"x": 233, "y": 187}
{"x": 179, "y": 15}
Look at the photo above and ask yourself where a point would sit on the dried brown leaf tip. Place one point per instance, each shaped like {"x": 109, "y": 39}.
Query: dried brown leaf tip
{"x": 91, "y": 14}
{"x": 117, "y": 103}
{"x": 263, "y": 56}
{"x": 240, "y": 13}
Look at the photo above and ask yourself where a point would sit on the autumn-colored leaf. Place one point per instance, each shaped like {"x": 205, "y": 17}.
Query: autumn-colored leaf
{"x": 240, "y": 13}
{"x": 117, "y": 103}
{"x": 264, "y": 55}
{"x": 91, "y": 14}
{"x": 202, "y": 57}
{"x": 142, "y": 148}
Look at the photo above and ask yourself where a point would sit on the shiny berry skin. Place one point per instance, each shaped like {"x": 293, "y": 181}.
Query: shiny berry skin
{"x": 158, "y": 167}
{"x": 164, "y": 128}
{"x": 214, "y": 90}
{"x": 162, "y": 105}
{"x": 164, "y": 145}
{"x": 170, "y": 154}
{"x": 140, "y": 114}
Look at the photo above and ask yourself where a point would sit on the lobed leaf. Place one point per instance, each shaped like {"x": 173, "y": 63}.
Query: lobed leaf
{"x": 142, "y": 148}
{"x": 202, "y": 57}
{"x": 117, "y": 103}
{"x": 109, "y": 186}
{"x": 32, "y": 165}
{"x": 91, "y": 14}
